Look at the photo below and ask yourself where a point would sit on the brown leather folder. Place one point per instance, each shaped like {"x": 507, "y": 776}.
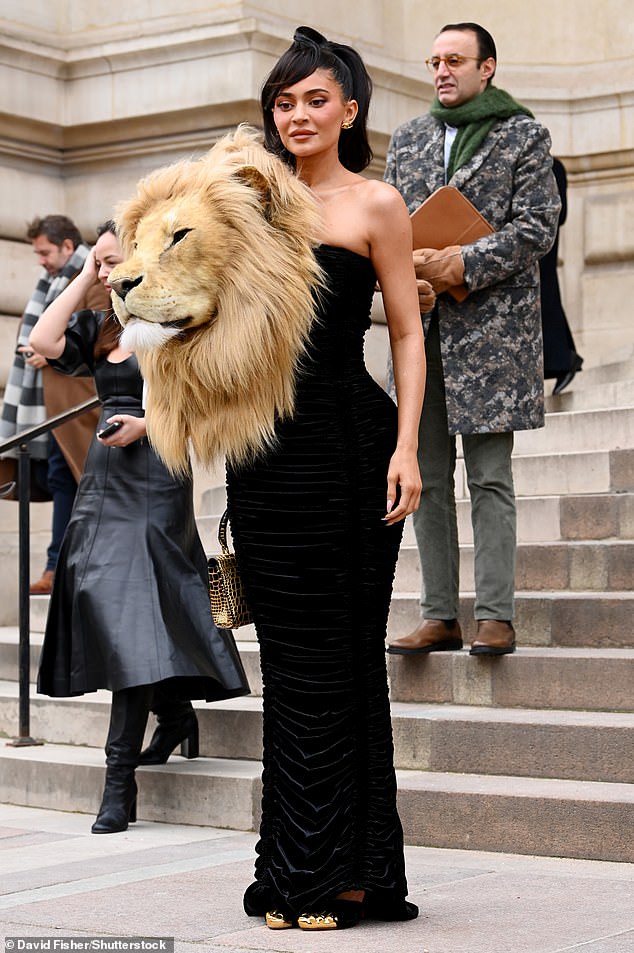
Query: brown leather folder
{"x": 448, "y": 218}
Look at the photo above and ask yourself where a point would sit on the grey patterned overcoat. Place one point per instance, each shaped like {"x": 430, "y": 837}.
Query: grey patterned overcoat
{"x": 491, "y": 343}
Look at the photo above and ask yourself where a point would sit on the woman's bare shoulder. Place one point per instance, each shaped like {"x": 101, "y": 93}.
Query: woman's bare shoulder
{"x": 381, "y": 193}
{"x": 383, "y": 201}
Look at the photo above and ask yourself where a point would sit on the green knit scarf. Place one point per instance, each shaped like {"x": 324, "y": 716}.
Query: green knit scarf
{"x": 474, "y": 120}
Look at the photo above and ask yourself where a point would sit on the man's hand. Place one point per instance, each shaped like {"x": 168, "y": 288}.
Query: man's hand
{"x": 443, "y": 269}
{"x": 426, "y": 296}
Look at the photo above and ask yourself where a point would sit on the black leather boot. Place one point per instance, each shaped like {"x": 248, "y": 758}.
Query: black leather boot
{"x": 118, "y": 805}
{"x": 128, "y": 718}
{"x": 177, "y": 725}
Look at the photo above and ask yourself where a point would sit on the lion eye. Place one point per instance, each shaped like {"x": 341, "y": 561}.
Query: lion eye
{"x": 180, "y": 235}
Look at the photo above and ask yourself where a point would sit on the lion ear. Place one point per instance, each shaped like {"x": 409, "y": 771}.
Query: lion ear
{"x": 257, "y": 181}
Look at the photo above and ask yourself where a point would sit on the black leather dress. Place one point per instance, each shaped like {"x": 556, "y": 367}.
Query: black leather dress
{"x": 318, "y": 564}
{"x": 130, "y": 603}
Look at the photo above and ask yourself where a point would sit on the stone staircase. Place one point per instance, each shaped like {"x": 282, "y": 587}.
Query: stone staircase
{"x": 531, "y": 753}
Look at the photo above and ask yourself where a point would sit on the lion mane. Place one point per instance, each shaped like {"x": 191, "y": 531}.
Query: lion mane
{"x": 217, "y": 297}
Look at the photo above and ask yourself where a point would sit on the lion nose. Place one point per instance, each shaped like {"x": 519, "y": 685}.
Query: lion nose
{"x": 123, "y": 285}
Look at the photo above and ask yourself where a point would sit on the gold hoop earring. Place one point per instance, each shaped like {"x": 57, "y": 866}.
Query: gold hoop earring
{"x": 348, "y": 124}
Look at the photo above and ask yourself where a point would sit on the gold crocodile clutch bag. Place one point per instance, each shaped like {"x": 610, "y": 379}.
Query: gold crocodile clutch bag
{"x": 228, "y": 604}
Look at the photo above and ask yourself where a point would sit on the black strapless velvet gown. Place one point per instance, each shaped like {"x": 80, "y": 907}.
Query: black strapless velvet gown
{"x": 318, "y": 563}
{"x": 130, "y": 604}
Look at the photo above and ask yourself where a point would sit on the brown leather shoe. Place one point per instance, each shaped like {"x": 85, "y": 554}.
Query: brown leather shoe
{"x": 433, "y": 635}
{"x": 493, "y": 637}
{"x": 44, "y": 585}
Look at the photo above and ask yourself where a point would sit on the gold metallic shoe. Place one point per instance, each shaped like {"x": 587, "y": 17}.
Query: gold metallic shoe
{"x": 339, "y": 915}
{"x": 276, "y": 920}
{"x": 317, "y": 921}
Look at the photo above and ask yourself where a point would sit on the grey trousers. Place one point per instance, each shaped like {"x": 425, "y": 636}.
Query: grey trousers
{"x": 493, "y": 515}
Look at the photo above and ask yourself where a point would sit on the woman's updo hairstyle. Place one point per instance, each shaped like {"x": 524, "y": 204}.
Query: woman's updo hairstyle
{"x": 311, "y": 51}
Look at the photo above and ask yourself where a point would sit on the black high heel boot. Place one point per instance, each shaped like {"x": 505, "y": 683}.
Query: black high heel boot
{"x": 118, "y": 805}
{"x": 177, "y": 725}
{"x": 128, "y": 718}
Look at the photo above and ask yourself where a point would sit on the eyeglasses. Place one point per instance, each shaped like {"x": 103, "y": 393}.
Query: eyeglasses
{"x": 452, "y": 61}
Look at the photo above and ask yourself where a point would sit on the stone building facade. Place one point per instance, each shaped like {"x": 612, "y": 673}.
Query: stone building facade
{"x": 94, "y": 95}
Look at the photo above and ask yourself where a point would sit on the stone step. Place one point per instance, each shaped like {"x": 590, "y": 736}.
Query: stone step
{"x": 205, "y": 791}
{"x": 592, "y": 489}
{"x": 586, "y": 679}
{"x": 545, "y": 817}
{"x": 591, "y": 471}
{"x": 552, "y": 817}
{"x": 583, "y": 429}
{"x": 228, "y": 729}
{"x": 615, "y": 393}
{"x": 535, "y": 475}
{"x": 9, "y": 571}
{"x": 524, "y": 742}
{"x": 582, "y": 679}
{"x": 541, "y": 519}
{"x": 592, "y": 378}
{"x": 520, "y": 742}
{"x": 9, "y": 653}
{"x": 554, "y": 618}
{"x": 576, "y": 566}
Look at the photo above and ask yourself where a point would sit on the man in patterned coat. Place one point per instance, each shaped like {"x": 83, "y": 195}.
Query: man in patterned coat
{"x": 484, "y": 354}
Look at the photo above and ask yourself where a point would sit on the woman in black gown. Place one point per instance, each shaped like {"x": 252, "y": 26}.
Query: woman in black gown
{"x": 316, "y": 524}
{"x": 130, "y": 608}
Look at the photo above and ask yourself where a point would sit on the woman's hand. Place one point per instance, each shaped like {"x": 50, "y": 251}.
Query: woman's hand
{"x": 48, "y": 337}
{"x": 89, "y": 272}
{"x": 31, "y": 357}
{"x": 403, "y": 476}
{"x": 133, "y": 428}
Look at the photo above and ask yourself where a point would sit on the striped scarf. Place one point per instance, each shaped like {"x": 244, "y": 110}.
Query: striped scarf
{"x": 24, "y": 395}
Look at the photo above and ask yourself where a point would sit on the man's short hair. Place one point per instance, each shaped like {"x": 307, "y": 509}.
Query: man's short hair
{"x": 56, "y": 228}
{"x": 486, "y": 43}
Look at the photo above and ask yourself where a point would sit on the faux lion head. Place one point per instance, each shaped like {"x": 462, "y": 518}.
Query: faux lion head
{"x": 217, "y": 297}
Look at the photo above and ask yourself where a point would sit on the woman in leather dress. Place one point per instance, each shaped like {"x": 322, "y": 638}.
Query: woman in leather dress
{"x": 130, "y": 607}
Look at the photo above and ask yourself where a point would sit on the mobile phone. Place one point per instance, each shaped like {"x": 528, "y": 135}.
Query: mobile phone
{"x": 110, "y": 429}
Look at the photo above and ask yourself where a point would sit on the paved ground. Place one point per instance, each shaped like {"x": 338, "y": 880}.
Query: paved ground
{"x": 163, "y": 880}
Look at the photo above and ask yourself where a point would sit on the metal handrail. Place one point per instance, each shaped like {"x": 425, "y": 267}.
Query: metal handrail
{"x": 25, "y": 436}
{"x": 22, "y": 441}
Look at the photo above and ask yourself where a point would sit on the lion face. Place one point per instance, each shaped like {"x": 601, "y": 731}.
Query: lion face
{"x": 216, "y": 297}
{"x": 169, "y": 282}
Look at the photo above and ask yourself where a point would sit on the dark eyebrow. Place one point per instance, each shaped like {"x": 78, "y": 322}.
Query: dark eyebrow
{"x": 309, "y": 92}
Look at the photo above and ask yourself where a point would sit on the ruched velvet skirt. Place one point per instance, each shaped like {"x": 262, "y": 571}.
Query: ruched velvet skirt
{"x": 318, "y": 564}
